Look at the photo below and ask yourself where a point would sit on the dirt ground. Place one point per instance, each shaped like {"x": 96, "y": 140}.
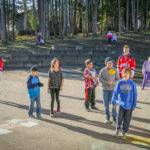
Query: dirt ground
{"x": 74, "y": 128}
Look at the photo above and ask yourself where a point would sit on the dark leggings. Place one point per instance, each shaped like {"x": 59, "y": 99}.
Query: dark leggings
{"x": 54, "y": 92}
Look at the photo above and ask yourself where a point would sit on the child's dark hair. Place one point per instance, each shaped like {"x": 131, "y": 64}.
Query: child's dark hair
{"x": 127, "y": 70}
{"x": 88, "y": 61}
{"x": 34, "y": 68}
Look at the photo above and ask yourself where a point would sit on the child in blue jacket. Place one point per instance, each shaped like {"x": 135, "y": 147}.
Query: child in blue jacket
{"x": 33, "y": 86}
{"x": 126, "y": 94}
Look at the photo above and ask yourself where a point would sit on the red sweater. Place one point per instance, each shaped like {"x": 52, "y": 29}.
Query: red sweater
{"x": 125, "y": 62}
{"x": 1, "y": 64}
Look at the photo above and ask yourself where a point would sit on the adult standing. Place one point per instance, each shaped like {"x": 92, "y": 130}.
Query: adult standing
{"x": 126, "y": 60}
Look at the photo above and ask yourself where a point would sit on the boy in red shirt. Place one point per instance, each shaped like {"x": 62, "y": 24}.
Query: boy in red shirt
{"x": 91, "y": 81}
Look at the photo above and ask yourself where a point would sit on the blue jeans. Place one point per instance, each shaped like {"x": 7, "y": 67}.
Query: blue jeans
{"x": 38, "y": 107}
{"x": 107, "y": 96}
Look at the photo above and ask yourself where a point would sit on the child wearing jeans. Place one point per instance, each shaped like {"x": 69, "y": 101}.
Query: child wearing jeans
{"x": 90, "y": 79}
{"x": 1, "y": 67}
{"x": 33, "y": 86}
{"x": 55, "y": 84}
{"x": 126, "y": 94}
{"x": 146, "y": 72}
{"x": 108, "y": 76}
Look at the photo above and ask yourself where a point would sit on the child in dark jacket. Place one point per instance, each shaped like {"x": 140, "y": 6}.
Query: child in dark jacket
{"x": 33, "y": 86}
{"x": 126, "y": 94}
{"x": 55, "y": 84}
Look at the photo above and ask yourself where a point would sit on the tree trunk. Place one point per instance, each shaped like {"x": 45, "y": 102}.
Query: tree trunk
{"x": 3, "y": 24}
{"x": 119, "y": 14}
{"x": 127, "y": 17}
{"x": 47, "y": 19}
{"x": 106, "y": 16}
{"x": 75, "y": 14}
{"x": 13, "y": 18}
{"x": 102, "y": 17}
{"x": 39, "y": 12}
{"x": 137, "y": 14}
{"x": 59, "y": 18}
{"x": 146, "y": 17}
{"x": 43, "y": 18}
{"x": 142, "y": 18}
{"x": 94, "y": 27}
{"x": 65, "y": 20}
{"x": 25, "y": 15}
{"x": 8, "y": 36}
{"x": 86, "y": 18}
{"x": 34, "y": 15}
{"x": 133, "y": 15}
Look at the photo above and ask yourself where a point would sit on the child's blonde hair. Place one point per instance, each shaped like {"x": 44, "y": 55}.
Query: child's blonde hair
{"x": 126, "y": 46}
{"x": 52, "y": 64}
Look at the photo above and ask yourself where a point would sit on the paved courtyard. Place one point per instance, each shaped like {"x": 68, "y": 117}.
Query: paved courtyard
{"x": 74, "y": 128}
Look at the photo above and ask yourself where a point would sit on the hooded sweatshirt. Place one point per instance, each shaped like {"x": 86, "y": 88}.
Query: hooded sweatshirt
{"x": 126, "y": 94}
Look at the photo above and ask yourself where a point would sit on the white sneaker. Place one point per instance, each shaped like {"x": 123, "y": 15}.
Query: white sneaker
{"x": 108, "y": 122}
{"x": 117, "y": 133}
{"x": 123, "y": 137}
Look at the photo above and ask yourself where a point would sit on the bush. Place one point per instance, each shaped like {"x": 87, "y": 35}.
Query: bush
{"x": 26, "y": 32}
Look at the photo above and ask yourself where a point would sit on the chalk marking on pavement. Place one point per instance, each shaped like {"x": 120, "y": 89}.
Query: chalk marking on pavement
{"x": 4, "y": 131}
{"x": 137, "y": 140}
{"x": 28, "y": 124}
{"x": 15, "y": 121}
{"x": 111, "y": 145}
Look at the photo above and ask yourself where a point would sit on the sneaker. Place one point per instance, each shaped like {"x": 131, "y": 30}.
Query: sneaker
{"x": 123, "y": 137}
{"x": 93, "y": 107}
{"x": 117, "y": 133}
{"x": 39, "y": 117}
{"x": 108, "y": 122}
{"x": 58, "y": 110}
{"x": 52, "y": 114}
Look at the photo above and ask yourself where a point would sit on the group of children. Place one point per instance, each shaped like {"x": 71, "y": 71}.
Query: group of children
{"x": 112, "y": 37}
{"x": 117, "y": 85}
{"x": 55, "y": 85}
{"x": 123, "y": 90}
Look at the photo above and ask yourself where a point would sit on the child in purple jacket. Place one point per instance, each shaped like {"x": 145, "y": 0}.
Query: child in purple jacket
{"x": 146, "y": 72}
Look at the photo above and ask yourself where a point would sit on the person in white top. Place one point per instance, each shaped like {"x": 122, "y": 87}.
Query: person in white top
{"x": 114, "y": 38}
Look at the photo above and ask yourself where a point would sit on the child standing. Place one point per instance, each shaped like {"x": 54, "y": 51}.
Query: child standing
{"x": 1, "y": 67}
{"x": 108, "y": 76}
{"x": 33, "y": 86}
{"x": 114, "y": 38}
{"x": 90, "y": 79}
{"x": 126, "y": 94}
{"x": 146, "y": 72}
{"x": 109, "y": 36}
{"x": 55, "y": 84}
